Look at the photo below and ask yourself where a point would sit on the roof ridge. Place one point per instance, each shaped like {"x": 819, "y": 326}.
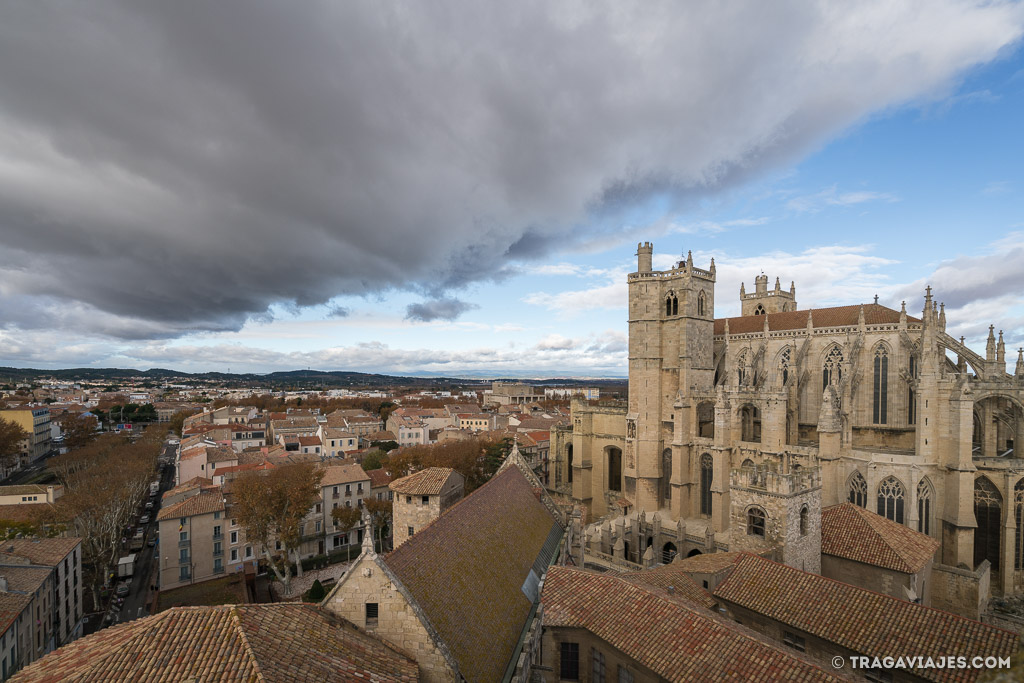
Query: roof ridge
{"x": 257, "y": 671}
{"x": 879, "y": 529}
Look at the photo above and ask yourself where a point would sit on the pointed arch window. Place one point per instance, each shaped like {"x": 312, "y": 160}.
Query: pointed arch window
{"x": 759, "y": 310}
{"x": 891, "y": 496}
{"x": 706, "y": 474}
{"x": 1018, "y": 512}
{"x": 614, "y": 469}
{"x": 988, "y": 507}
{"x": 911, "y": 397}
{"x": 858, "y": 490}
{"x": 666, "y": 470}
{"x": 804, "y": 520}
{"x": 880, "y": 396}
{"x": 701, "y": 304}
{"x": 784, "y": 360}
{"x": 832, "y": 369}
{"x": 924, "y": 506}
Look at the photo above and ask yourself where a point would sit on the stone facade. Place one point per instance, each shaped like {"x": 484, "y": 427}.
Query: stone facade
{"x": 893, "y": 414}
{"x": 369, "y": 582}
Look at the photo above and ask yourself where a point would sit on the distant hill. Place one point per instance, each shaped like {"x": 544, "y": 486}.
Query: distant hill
{"x": 310, "y": 379}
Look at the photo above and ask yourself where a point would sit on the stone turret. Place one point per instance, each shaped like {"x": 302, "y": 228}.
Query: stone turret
{"x": 763, "y": 300}
{"x": 990, "y": 345}
{"x": 1019, "y": 371}
{"x": 1001, "y": 350}
{"x": 645, "y": 257}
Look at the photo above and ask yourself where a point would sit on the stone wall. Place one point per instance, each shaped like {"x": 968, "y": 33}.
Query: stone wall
{"x": 874, "y": 578}
{"x": 960, "y": 591}
{"x": 397, "y": 622}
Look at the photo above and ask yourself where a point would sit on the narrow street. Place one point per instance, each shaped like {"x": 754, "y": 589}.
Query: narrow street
{"x": 145, "y": 575}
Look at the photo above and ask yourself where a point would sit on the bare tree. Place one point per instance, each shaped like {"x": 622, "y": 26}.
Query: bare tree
{"x": 271, "y": 506}
{"x": 11, "y": 436}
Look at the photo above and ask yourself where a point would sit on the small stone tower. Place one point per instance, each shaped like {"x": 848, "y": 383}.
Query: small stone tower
{"x": 770, "y": 508}
{"x": 762, "y": 300}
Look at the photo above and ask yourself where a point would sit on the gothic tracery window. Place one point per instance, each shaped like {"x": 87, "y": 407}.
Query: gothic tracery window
{"x": 988, "y": 504}
{"x": 832, "y": 370}
{"x": 706, "y": 470}
{"x": 891, "y": 495}
{"x": 784, "y": 360}
{"x": 759, "y": 310}
{"x": 880, "y": 396}
{"x": 858, "y": 490}
{"x": 924, "y": 506}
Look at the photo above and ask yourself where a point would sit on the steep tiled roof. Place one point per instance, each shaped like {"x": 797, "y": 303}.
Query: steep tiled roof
{"x": 45, "y": 551}
{"x": 283, "y": 642}
{"x": 670, "y": 576}
{"x": 467, "y": 571}
{"x": 669, "y": 636}
{"x": 200, "y": 504}
{"x": 851, "y": 532}
{"x": 378, "y": 478}
{"x": 836, "y": 316}
{"x": 868, "y": 623}
{"x": 426, "y": 482}
{"x": 11, "y": 605}
{"x": 343, "y": 474}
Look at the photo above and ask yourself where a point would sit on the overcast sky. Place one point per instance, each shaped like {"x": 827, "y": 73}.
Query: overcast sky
{"x": 458, "y": 187}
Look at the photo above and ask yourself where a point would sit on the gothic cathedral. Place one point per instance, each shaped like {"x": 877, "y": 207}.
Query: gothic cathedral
{"x": 738, "y": 431}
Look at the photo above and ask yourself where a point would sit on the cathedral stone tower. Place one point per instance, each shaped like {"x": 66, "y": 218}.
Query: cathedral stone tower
{"x": 671, "y": 335}
{"x": 762, "y": 300}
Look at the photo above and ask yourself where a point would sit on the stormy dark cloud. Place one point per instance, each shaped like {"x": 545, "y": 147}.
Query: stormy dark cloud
{"x": 168, "y": 167}
{"x": 437, "y": 309}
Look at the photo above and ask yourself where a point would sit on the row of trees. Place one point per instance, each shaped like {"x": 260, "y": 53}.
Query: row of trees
{"x": 105, "y": 481}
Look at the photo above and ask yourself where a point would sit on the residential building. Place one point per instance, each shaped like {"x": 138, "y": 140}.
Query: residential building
{"x": 22, "y": 494}
{"x": 63, "y": 557}
{"x": 193, "y": 536}
{"x": 36, "y": 423}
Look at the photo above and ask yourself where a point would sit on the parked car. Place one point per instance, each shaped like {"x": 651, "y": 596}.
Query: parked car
{"x": 149, "y": 505}
{"x": 122, "y": 590}
{"x": 144, "y": 519}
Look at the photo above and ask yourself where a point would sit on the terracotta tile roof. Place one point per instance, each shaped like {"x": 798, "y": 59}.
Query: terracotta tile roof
{"x": 343, "y": 474}
{"x": 426, "y": 482}
{"x": 274, "y": 643}
{"x": 674, "y": 639}
{"x": 22, "y": 490}
{"x": 200, "y": 504}
{"x": 22, "y": 579}
{"x": 836, "y": 316}
{"x": 709, "y": 563}
{"x": 467, "y": 571}
{"x": 44, "y": 551}
{"x": 247, "y": 467}
{"x": 670, "y": 576}
{"x": 310, "y": 441}
{"x": 851, "y": 532}
{"x": 11, "y": 605}
{"x": 378, "y": 478}
{"x": 193, "y": 483}
{"x": 333, "y": 433}
{"x": 866, "y": 622}
{"x": 220, "y": 454}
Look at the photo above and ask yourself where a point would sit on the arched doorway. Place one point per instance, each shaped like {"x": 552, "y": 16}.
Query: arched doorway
{"x": 694, "y": 552}
{"x": 668, "y": 552}
{"x": 988, "y": 506}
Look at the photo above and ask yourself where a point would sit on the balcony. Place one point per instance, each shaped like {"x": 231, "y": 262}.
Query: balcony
{"x": 218, "y": 570}
{"x": 218, "y": 537}
{"x": 184, "y": 543}
{"x": 218, "y": 552}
